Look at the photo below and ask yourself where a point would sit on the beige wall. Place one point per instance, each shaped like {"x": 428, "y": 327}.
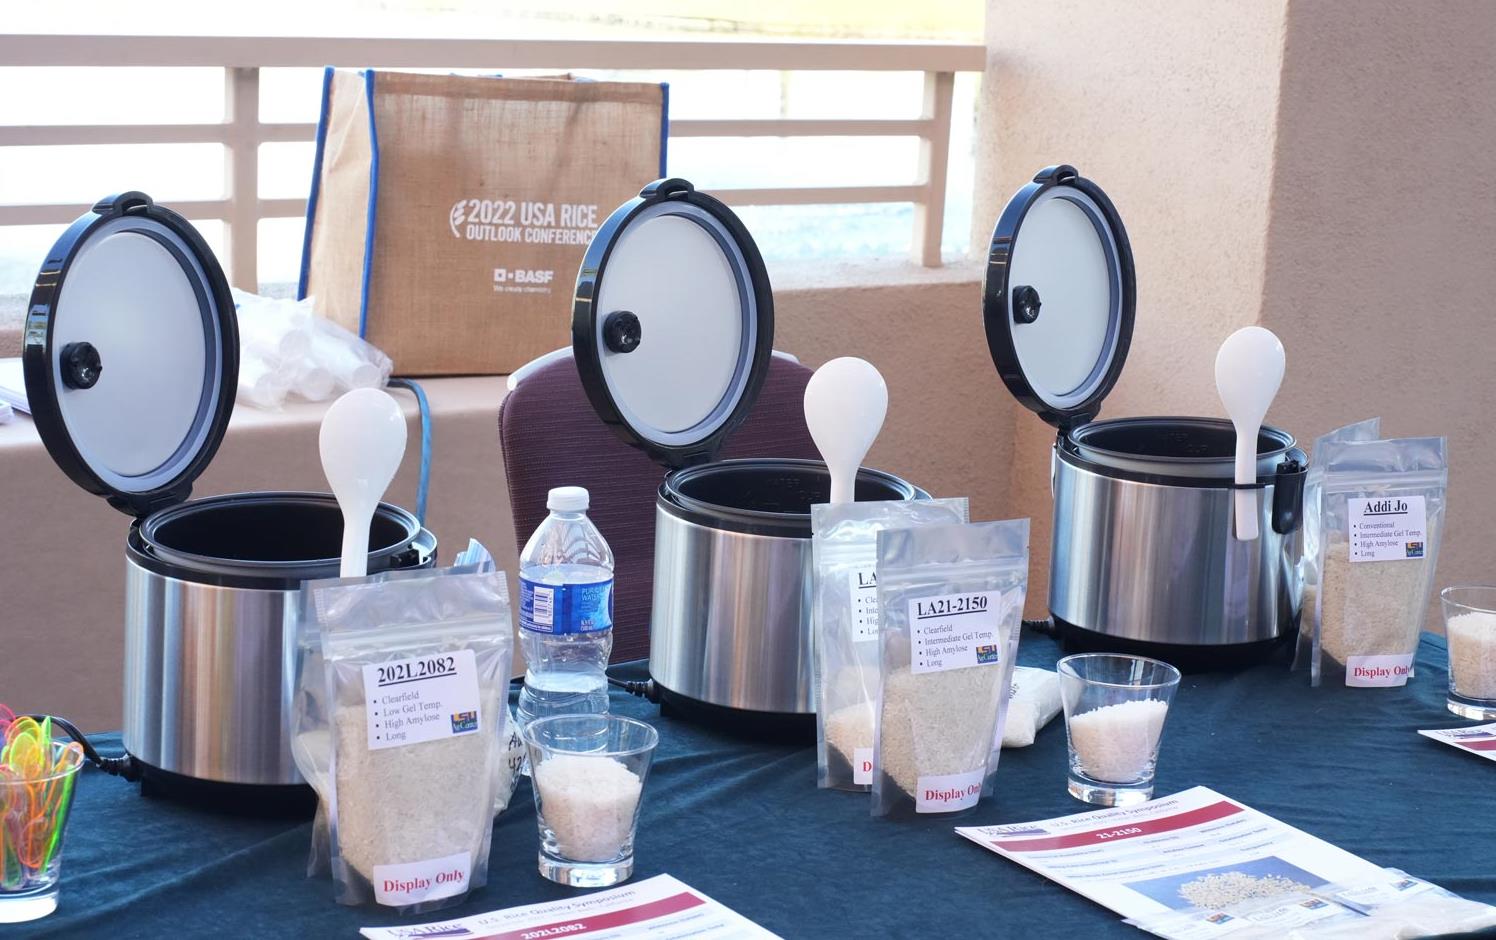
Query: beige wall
{"x": 1381, "y": 247}
{"x": 1170, "y": 106}
{"x": 950, "y": 421}
{"x": 1322, "y": 167}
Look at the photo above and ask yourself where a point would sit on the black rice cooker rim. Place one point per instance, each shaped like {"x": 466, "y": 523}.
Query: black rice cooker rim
{"x": 1167, "y": 470}
{"x": 681, "y": 505}
{"x": 415, "y": 548}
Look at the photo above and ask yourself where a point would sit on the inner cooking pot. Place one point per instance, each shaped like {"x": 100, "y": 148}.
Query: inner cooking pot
{"x": 768, "y": 496}
{"x": 1174, "y": 447}
{"x": 270, "y": 540}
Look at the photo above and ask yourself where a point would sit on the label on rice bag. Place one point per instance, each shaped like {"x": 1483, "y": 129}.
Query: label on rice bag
{"x": 862, "y": 765}
{"x": 955, "y": 631}
{"x": 1387, "y": 528}
{"x": 862, "y": 587}
{"x": 946, "y": 793}
{"x": 424, "y": 698}
{"x": 429, "y": 880}
{"x": 1374, "y": 672}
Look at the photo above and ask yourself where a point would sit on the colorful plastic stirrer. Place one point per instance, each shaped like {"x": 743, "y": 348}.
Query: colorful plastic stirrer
{"x": 36, "y": 788}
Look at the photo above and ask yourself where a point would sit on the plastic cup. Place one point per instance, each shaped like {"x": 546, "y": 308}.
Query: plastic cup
{"x": 33, "y": 814}
{"x": 1115, "y": 707}
{"x": 587, "y": 773}
{"x": 1470, "y": 627}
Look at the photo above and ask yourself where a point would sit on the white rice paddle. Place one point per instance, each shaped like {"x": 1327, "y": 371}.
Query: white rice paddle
{"x": 1249, "y": 370}
{"x": 362, "y": 442}
{"x": 845, "y": 404}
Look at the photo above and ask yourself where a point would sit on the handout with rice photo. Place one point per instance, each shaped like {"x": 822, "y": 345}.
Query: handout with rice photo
{"x": 1196, "y": 848}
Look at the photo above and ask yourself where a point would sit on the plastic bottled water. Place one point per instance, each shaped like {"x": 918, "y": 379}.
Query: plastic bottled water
{"x": 565, "y": 611}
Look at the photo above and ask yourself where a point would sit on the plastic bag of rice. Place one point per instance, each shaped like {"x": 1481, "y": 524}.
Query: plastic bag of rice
{"x": 844, "y": 547}
{"x": 1314, "y": 478}
{"x": 416, "y": 671}
{"x": 311, "y": 726}
{"x": 950, "y": 602}
{"x": 1381, "y": 512}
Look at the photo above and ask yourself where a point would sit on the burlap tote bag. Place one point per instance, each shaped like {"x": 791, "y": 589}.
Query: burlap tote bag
{"x": 448, "y": 214}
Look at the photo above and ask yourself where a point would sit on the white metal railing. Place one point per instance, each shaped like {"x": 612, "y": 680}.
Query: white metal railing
{"x": 241, "y": 132}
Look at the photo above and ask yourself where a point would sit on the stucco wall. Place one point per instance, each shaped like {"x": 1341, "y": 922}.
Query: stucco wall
{"x": 950, "y": 421}
{"x": 1170, "y": 106}
{"x": 1380, "y": 275}
{"x": 1322, "y": 167}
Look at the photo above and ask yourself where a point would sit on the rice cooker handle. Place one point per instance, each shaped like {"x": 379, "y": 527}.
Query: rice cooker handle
{"x": 1288, "y": 496}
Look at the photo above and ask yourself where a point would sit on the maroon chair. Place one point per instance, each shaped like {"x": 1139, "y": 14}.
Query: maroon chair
{"x": 550, "y": 436}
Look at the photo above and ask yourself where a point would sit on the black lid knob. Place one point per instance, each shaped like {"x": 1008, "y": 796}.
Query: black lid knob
{"x": 81, "y": 365}
{"x": 622, "y": 332}
{"x": 1025, "y": 304}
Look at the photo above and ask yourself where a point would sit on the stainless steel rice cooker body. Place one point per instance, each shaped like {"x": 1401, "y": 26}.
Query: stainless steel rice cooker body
{"x": 131, "y": 362}
{"x": 672, "y": 331}
{"x": 1144, "y": 556}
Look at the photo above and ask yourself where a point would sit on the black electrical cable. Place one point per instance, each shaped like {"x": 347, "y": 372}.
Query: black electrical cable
{"x": 125, "y": 765}
{"x": 1045, "y": 626}
{"x": 644, "y": 688}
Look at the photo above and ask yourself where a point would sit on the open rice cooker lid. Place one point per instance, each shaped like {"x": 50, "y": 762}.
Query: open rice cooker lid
{"x": 1059, "y": 297}
{"x": 131, "y": 353}
{"x": 673, "y": 322}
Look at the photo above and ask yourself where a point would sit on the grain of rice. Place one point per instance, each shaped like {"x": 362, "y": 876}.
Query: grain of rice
{"x": 1472, "y": 653}
{"x": 937, "y": 723}
{"x": 1221, "y": 890}
{"x": 413, "y": 802}
{"x": 1370, "y": 608}
{"x": 1116, "y": 743}
{"x": 589, "y": 803}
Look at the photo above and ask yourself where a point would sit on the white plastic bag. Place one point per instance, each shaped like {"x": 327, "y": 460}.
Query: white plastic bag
{"x": 950, "y": 601}
{"x": 844, "y": 547}
{"x": 1034, "y": 702}
{"x": 411, "y": 719}
{"x": 286, "y": 348}
{"x": 1314, "y": 479}
{"x": 1381, "y": 516}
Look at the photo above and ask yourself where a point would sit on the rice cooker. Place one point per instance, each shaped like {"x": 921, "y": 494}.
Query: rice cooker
{"x": 1144, "y": 556}
{"x": 672, "y": 329}
{"x": 131, "y": 358}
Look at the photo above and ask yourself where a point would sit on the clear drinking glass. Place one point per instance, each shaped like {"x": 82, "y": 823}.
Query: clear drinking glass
{"x": 1115, "y": 708}
{"x": 588, "y": 773}
{"x": 33, "y": 813}
{"x": 1470, "y": 627}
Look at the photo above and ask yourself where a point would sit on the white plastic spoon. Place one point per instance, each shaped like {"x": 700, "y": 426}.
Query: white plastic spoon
{"x": 1249, "y": 370}
{"x": 845, "y": 403}
{"x": 362, "y": 442}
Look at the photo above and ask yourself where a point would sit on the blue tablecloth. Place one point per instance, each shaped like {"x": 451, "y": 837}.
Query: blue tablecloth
{"x": 745, "y": 824}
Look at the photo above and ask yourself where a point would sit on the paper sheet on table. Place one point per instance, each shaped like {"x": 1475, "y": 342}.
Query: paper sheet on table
{"x": 13, "y": 385}
{"x": 660, "y": 907}
{"x": 1195, "y": 847}
{"x": 1479, "y": 740}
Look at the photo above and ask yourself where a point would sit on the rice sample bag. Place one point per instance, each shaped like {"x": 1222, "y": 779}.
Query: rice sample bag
{"x": 1381, "y": 515}
{"x": 311, "y": 728}
{"x": 1314, "y": 478}
{"x": 844, "y": 546}
{"x": 416, "y": 673}
{"x": 950, "y": 603}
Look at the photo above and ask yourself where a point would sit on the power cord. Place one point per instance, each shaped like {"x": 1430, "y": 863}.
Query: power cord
{"x": 125, "y": 765}
{"x": 1045, "y": 626}
{"x": 644, "y": 688}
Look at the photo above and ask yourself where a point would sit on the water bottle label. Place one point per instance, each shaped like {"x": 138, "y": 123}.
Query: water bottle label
{"x": 565, "y": 608}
